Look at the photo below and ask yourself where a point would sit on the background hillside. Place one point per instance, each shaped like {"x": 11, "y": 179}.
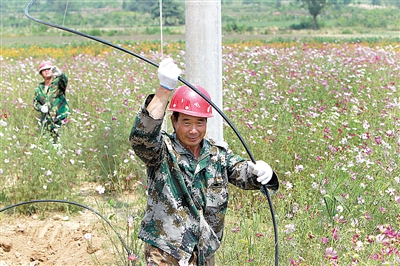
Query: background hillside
{"x": 247, "y": 19}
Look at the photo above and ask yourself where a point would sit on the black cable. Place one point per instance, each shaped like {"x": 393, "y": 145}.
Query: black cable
{"x": 77, "y": 204}
{"x": 187, "y": 84}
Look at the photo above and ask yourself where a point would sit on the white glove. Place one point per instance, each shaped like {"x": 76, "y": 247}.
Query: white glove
{"x": 44, "y": 109}
{"x": 168, "y": 73}
{"x": 262, "y": 170}
{"x": 55, "y": 71}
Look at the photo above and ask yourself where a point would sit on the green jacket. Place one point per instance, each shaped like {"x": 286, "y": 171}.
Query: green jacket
{"x": 55, "y": 99}
{"x": 187, "y": 198}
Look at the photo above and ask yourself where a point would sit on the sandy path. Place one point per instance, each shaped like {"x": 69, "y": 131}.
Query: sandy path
{"x": 56, "y": 240}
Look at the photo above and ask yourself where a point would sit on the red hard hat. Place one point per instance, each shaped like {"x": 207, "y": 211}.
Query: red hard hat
{"x": 45, "y": 65}
{"x": 187, "y": 101}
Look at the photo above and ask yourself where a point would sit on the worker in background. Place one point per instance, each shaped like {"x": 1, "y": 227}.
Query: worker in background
{"x": 50, "y": 99}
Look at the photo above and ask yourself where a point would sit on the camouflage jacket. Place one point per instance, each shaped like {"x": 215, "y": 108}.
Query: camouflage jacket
{"x": 55, "y": 99}
{"x": 187, "y": 198}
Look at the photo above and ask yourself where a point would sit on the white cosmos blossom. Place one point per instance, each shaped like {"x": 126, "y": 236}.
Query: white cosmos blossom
{"x": 390, "y": 191}
{"x": 366, "y": 124}
{"x": 130, "y": 221}
{"x": 299, "y": 168}
{"x": 100, "y": 189}
{"x": 289, "y": 185}
{"x": 290, "y": 228}
{"x": 87, "y": 236}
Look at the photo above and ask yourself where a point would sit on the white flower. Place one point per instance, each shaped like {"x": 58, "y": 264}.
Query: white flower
{"x": 298, "y": 168}
{"x": 360, "y": 200}
{"x": 390, "y": 191}
{"x": 289, "y": 185}
{"x": 130, "y": 221}
{"x": 359, "y": 246}
{"x": 289, "y": 228}
{"x": 365, "y": 124}
{"x": 339, "y": 208}
{"x": 87, "y": 236}
{"x": 48, "y": 172}
{"x": 100, "y": 189}
{"x": 354, "y": 222}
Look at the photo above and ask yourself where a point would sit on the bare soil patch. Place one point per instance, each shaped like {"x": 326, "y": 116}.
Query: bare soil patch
{"x": 55, "y": 240}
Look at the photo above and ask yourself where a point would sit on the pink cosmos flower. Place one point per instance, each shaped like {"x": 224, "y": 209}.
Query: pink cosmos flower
{"x": 235, "y": 229}
{"x": 334, "y": 233}
{"x": 324, "y": 240}
{"x": 397, "y": 198}
{"x": 331, "y": 254}
{"x": 133, "y": 257}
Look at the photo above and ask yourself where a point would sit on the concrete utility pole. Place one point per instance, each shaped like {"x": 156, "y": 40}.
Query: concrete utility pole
{"x": 204, "y": 54}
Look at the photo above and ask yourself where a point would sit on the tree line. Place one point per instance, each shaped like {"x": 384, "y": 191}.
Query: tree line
{"x": 173, "y": 11}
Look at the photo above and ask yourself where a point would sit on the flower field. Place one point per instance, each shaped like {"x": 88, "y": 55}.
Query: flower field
{"x": 326, "y": 116}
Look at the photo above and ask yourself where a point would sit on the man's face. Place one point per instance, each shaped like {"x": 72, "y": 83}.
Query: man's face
{"x": 46, "y": 73}
{"x": 190, "y": 130}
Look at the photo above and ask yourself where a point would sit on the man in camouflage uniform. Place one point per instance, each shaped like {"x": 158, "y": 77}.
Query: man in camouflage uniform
{"x": 188, "y": 175}
{"x": 50, "y": 99}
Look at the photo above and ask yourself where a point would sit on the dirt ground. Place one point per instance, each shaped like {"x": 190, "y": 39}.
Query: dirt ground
{"x": 54, "y": 240}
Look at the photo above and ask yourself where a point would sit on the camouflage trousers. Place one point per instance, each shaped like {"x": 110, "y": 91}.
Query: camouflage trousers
{"x": 157, "y": 257}
{"x": 51, "y": 127}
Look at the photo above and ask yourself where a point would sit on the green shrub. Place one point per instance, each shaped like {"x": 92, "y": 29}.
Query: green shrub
{"x": 347, "y": 31}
